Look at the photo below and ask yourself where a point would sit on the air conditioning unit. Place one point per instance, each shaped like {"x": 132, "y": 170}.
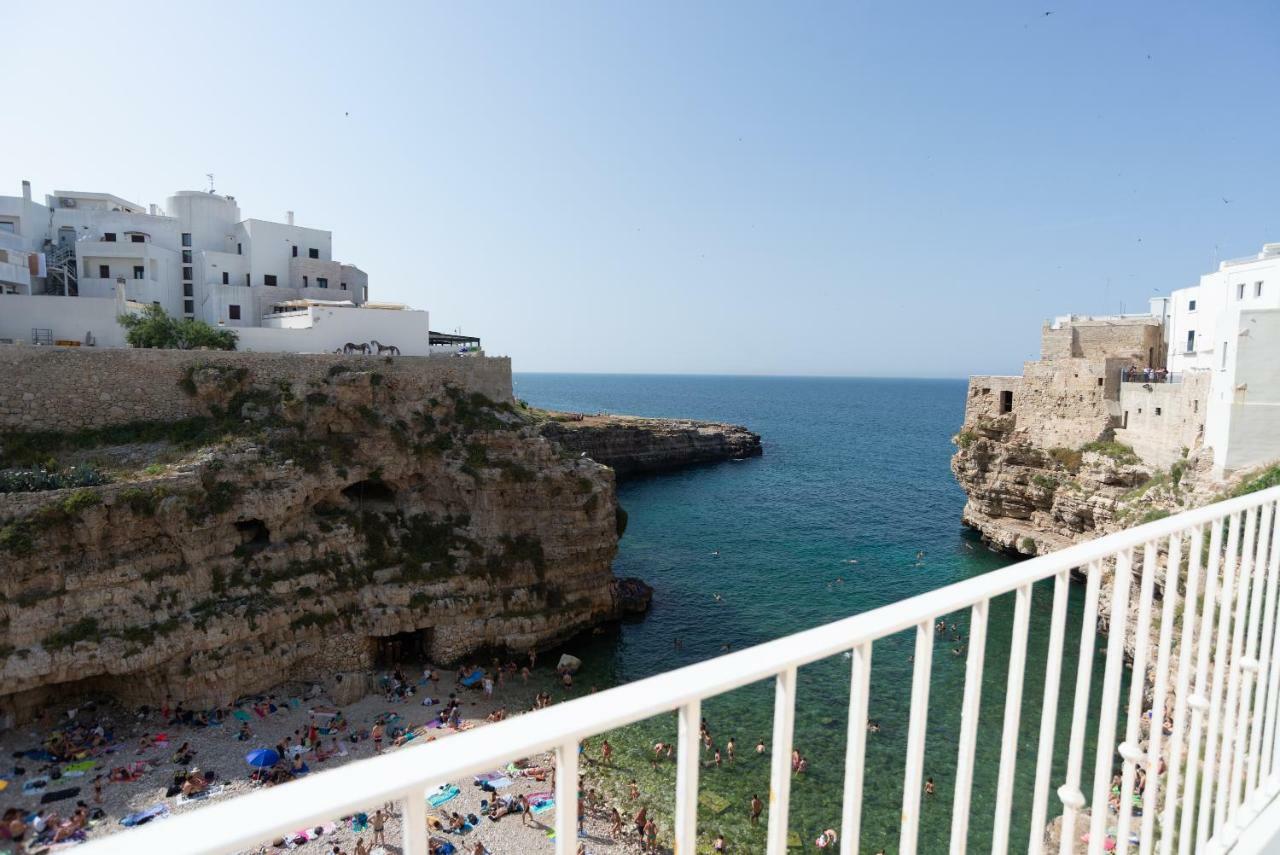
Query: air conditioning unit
{"x": 66, "y": 202}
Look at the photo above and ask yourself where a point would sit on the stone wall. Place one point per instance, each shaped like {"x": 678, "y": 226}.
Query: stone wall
{"x": 64, "y": 389}
{"x": 1139, "y": 341}
{"x": 986, "y": 391}
{"x": 1065, "y": 403}
{"x": 1162, "y": 420}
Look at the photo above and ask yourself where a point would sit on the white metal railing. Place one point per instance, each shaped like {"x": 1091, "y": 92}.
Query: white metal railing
{"x": 1218, "y": 605}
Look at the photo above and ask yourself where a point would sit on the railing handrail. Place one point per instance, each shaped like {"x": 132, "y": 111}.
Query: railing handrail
{"x": 252, "y": 819}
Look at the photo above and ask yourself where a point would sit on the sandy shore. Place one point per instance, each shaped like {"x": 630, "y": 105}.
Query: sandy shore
{"x": 218, "y": 749}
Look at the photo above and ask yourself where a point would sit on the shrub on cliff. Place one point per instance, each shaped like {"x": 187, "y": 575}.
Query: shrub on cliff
{"x": 1117, "y": 451}
{"x": 155, "y": 328}
{"x": 32, "y": 480}
{"x": 1260, "y": 480}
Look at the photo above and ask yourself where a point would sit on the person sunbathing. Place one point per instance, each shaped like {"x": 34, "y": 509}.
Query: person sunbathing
{"x": 457, "y": 823}
{"x": 68, "y": 829}
{"x": 184, "y": 754}
{"x": 194, "y": 784}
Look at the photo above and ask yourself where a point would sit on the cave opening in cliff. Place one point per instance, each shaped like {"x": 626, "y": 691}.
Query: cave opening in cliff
{"x": 254, "y": 534}
{"x": 371, "y": 494}
{"x": 403, "y": 648}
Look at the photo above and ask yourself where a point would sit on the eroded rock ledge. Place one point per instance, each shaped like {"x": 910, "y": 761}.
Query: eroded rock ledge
{"x": 295, "y": 532}
{"x": 631, "y": 445}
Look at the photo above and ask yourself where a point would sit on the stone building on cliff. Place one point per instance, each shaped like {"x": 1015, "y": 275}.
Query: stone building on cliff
{"x": 1200, "y": 370}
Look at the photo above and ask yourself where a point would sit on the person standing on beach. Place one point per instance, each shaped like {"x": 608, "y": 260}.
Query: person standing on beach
{"x": 361, "y": 849}
{"x": 757, "y": 807}
{"x": 376, "y": 823}
{"x": 616, "y": 818}
{"x": 606, "y": 753}
{"x": 639, "y": 821}
{"x": 523, "y": 801}
{"x": 378, "y": 732}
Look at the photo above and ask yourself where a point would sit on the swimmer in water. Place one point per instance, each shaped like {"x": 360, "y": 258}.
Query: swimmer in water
{"x": 760, "y": 747}
{"x": 715, "y": 554}
{"x": 717, "y": 598}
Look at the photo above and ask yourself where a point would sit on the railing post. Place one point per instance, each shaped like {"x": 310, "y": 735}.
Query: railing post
{"x": 1266, "y": 712}
{"x": 1204, "y": 822}
{"x": 1155, "y": 730}
{"x": 1249, "y": 724}
{"x": 1070, "y": 793}
{"x": 1130, "y": 750}
{"x": 1235, "y": 674}
{"x": 784, "y": 716}
{"x": 687, "y": 761}
{"x": 413, "y": 825}
{"x": 969, "y": 726}
{"x": 916, "y": 732}
{"x": 1012, "y": 719}
{"x": 1049, "y": 711}
{"x": 567, "y": 799}
{"x": 1168, "y": 820}
{"x": 1122, "y": 581}
{"x": 855, "y": 749}
{"x": 1198, "y": 703}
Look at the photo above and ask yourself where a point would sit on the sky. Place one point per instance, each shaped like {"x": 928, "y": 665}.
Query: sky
{"x": 859, "y": 188}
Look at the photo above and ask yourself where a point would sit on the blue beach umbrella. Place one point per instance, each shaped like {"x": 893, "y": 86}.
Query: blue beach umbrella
{"x": 262, "y": 758}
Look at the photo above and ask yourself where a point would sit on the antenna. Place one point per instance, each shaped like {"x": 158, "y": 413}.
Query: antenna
{"x": 210, "y": 175}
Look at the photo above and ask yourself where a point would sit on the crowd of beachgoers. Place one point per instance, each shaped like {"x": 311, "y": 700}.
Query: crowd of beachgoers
{"x": 81, "y": 773}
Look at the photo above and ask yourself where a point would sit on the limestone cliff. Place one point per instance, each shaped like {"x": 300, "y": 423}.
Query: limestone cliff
{"x": 295, "y": 531}
{"x": 638, "y": 446}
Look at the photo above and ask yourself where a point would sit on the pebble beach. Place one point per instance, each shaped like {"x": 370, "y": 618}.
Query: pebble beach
{"x": 217, "y": 748}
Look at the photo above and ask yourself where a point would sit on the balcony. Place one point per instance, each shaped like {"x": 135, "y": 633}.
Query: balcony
{"x": 1217, "y": 568}
{"x": 1143, "y": 375}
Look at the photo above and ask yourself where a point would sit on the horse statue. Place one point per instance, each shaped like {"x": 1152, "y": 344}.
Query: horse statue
{"x": 350, "y": 348}
{"x": 381, "y": 348}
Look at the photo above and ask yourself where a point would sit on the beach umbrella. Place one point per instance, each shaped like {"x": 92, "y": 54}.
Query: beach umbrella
{"x": 262, "y": 758}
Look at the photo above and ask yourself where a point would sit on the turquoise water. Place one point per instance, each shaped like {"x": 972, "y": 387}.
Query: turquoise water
{"x": 854, "y": 470}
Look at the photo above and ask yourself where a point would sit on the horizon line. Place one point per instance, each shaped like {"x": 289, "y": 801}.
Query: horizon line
{"x": 740, "y": 375}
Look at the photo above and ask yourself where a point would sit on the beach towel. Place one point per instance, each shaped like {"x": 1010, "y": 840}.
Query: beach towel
{"x": 211, "y": 792}
{"x": 241, "y": 715}
{"x": 474, "y": 678}
{"x": 486, "y": 777}
{"x": 443, "y": 847}
{"x": 295, "y": 703}
{"x": 499, "y": 783}
{"x": 59, "y": 795}
{"x": 543, "y": 806}
{"x": 35, "y": 785}
{"x": 445, "y": 793}
{"x": 143, "y": 816}
{"x": 359, "y": 822}
{"x": 76, "y": 770}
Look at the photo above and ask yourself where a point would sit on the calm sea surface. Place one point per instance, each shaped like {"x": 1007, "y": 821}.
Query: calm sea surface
{"x": 854, "y": 482}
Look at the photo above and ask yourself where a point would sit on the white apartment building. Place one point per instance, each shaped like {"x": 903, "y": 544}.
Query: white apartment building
{"x": 80, "y": 259}
{"x": 1228, "y": 326}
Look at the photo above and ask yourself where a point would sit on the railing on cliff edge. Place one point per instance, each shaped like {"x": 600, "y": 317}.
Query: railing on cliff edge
{"x": 1218, "y": 792}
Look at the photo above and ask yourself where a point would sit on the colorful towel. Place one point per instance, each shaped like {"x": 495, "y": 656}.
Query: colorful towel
{"x": 446, "y": 793}
{"x": 35, "y": 785}
{"x": 241, "y": 715}
{"x": 474, "y": 678}
{"x": 154, "y": 812}
{"x": 499, "y": 783}
{"x": 543, "y": 806}
{"x": 486, "y": 777}
{"x": 77, "y": 770}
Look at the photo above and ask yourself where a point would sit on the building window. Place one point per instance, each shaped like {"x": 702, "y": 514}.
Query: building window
{"x": 321, "y": 282}
{"x": 304, "y": 281}
{"x": 239, "y": 249}
{"x": 247, "y": 283}
{"x": 1191, "y": 341}
{"x": 188, "y": 290}
{"x": 186, "y": 273}
{"x": 186, "y": 238}
{"x": 313, "y": 253}
{"x": 233, "y": 312}
{"x": 109, "y": 237}
{"x": 1195, "y": 406}
{"x": 364, "y": 294}
{"x": 104, "y": 271}
{"x": 139, "y": 272}
{"x": 1224, "y": 356}
{"x": 269, "y": 279}
{"x": 1006, "y": 401}
{"x": 1158, "y": 411}
{"x": 226, "y": 278}
{"x": 342, "y": 286}
{"x": 1240, "y": 291}
{"x": 188, "y": 306}
{"x": 1257, "y": 289}
{"x": 295, "y": 250}
{"x": 1191, "y": 305}
{"x": 186, "y": 256}
{"x": 138, "y": 238}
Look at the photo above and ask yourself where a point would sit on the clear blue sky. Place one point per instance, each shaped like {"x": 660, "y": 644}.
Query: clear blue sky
{"x": 819, "y": 188}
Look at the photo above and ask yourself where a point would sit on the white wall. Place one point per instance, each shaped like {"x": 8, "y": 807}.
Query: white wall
{"x": 331, "y": 328}
{"x": 1252, "y": 403}
{"x": 68, "y": 318}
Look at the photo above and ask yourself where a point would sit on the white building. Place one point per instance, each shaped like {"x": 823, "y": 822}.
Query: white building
{"x": 196, "y": 258}
{"x": 1228, "y": 326}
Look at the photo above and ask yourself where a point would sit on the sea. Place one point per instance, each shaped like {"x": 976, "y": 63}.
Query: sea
{"x": 851, "y": 507}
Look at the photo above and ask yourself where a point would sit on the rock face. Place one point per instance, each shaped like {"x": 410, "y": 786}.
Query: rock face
{"x": 311, "y": 528}
{"x": 638, "y": 446}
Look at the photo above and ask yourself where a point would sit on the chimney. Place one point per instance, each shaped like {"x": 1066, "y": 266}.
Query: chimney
{"x": 288, "y": 215}
{"x": 26, "y": 191}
